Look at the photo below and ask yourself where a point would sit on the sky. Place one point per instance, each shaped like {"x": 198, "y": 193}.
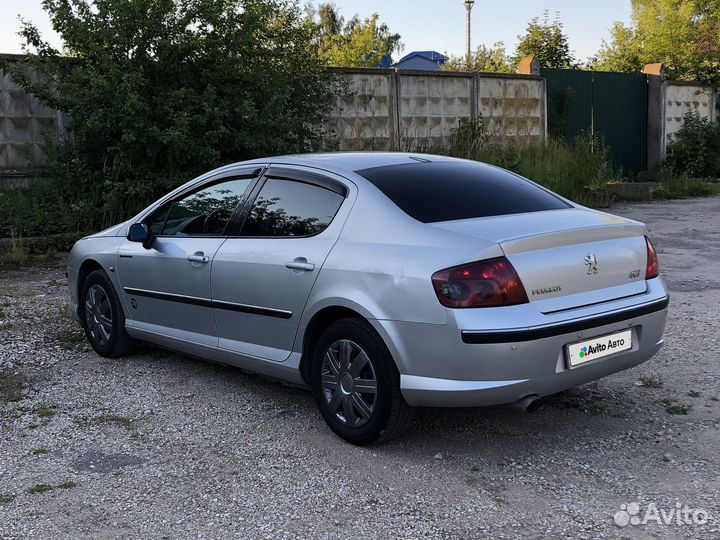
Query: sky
{"x": 423, "y": 24}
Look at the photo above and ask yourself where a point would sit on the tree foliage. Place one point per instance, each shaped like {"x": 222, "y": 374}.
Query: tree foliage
{"x": 489, "y": 59}
{"x": 546, "y": 40}
{"x": 682, "y": 34}
{"x": 157, "y": 91}
{"x": 356, "y": 42}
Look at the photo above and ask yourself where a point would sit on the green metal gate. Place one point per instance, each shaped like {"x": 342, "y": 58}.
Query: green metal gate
{"x": 610, "y": 108}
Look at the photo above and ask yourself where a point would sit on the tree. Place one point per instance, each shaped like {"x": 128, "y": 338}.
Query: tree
{"x": 490, "y": 59}
{"x": 157, "y": 91}
{"x": 357, "y": 43}
{"x": 682, "y": 34}
{"x": 546, "y": 41}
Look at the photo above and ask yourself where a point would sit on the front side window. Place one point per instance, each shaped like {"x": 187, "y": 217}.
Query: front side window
{"x": 203, "y": 213}
{"x": 291, "y": 208}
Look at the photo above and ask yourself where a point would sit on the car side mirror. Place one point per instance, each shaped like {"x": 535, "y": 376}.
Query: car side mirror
{"x": 138, "y": 232}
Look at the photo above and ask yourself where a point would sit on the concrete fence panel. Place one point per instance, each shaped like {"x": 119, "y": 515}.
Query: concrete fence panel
{"x": 431, "y": 106}
{"x": 405, "y": 110}
{"x": 24, "y": 125}
{"x": 365, "y": 117}
{"x": 515, "y": 107}
{"x": 681, "y": 97}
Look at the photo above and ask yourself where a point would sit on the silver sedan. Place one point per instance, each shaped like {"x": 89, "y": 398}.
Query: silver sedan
{"x": 381, "y": 281}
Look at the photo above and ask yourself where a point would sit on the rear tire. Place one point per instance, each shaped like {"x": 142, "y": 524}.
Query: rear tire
{"x": 357, "y": 385}
{"x": 103, "y": 319}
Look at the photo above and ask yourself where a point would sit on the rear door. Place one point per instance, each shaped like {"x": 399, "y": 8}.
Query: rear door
{"x": 263, "y": 275}
{"x": 167, "y": 287}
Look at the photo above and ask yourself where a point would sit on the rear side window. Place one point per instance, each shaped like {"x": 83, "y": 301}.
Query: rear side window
{"x": 291, "y": 208}
{"x": 432, "y": 192}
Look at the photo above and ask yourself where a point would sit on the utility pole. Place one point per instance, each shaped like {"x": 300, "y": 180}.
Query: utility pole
{"x": 469, "y": 5}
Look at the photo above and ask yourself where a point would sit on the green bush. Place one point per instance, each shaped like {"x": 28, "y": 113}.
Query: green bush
{"x": 577, "y": 170}
{"x": 696, "y": 149}
{"x": 158, "y": 91}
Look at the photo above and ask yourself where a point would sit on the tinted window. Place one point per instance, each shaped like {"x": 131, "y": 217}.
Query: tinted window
{"x": 290, "y": 208}
{"x": 431, "y": 192}
{"x": 157, "y": 219}
{"x": 205, "y": 212}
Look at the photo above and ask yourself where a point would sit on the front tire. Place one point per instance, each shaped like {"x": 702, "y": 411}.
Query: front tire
{"x": 103, "y": 319}
{"x": 357, "y": 385}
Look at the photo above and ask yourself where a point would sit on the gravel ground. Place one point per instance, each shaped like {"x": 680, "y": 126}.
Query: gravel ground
{"x": 158, "y": 445}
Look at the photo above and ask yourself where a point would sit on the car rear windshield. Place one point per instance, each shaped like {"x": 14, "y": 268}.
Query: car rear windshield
{"x": 446, "y": 191}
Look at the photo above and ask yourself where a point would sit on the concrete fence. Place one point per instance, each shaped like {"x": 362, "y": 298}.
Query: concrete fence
{"x": 398, "y": 110}
{"x": 390, "y": 110}
{"x": 24, "y": 125}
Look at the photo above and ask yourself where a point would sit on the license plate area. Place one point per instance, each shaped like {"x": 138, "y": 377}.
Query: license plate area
{"x": 588, "y": 350}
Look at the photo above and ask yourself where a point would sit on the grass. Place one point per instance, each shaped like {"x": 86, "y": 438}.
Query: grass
{"x": 121, "y": 421}
{"x": 44, "y": 488}
{"x": 46, "y": 411}
{"x": 651, "y": 381}
{"x": 40, "y": 451}
{"x": 110, "y": 418}
{"x": 40, "y": 488}
{"x": 16, "y": 254}
{"x": 70, "y": 338}
{"x": 589, "y": 402}
{"x": 6, "y": 498}
{"x": 673, "y": 407}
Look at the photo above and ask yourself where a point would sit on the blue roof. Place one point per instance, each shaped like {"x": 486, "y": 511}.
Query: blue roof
{"x": 430, "y": 55}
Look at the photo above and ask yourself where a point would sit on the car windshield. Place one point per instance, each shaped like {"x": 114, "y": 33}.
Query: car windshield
{"x": 447, "y": 191}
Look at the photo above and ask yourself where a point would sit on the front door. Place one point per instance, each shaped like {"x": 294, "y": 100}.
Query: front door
{"x": 167, "y": 287}
{"x": 261, "y": 278}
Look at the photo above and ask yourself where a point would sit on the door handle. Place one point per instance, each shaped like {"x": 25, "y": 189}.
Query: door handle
{"x": 300, "y": 264}
{"x": 198, "y": 257}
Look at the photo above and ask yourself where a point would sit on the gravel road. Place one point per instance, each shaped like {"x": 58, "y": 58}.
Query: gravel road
{"x": 158, "y": 445}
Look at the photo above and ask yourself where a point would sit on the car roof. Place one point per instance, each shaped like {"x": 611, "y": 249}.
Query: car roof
{"x": 352, "y": 161}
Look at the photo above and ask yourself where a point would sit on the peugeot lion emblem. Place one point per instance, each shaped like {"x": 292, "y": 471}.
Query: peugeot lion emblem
{"x": 592, "y": 263}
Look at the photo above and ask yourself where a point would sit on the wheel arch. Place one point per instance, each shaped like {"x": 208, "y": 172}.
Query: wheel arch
{"x": 318, "y": 323}
{"x": 87, "y": 267}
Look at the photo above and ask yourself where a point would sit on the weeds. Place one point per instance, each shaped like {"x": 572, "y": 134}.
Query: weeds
{"x": 579, "y": 170}
{"x": 40, "y": 451}
{"x": 16, "y": 254}
{"x": 696, "y": 150}
{"x": 44, "y": 488}
{"x": 70, "y": 338}
{"x": 40, "y": 488}
{"x": 673, "y": 407}
{"x": 6, "y": 498}
{"x": 651, "y": 381}
{"x": 45, "y": 411}
{"x": 121, "y": 421}
{"x": 590, "y": 402}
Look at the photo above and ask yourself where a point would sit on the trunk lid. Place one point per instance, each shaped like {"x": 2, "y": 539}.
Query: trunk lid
{"x": 562, "y": 255}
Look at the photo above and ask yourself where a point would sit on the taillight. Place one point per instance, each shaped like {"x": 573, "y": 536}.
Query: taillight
{"x": 488, "y": 283}
{"x": 653, "y": 266}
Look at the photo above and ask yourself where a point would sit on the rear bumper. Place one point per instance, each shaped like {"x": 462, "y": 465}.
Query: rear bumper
{"x": 443, "y": 366}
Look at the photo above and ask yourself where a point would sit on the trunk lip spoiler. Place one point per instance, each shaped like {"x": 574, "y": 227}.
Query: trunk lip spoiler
{"x": 557, "y": 329}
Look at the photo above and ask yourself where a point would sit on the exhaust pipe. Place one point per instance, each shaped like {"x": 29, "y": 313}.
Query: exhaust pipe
{"x": 528, "y": 404}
